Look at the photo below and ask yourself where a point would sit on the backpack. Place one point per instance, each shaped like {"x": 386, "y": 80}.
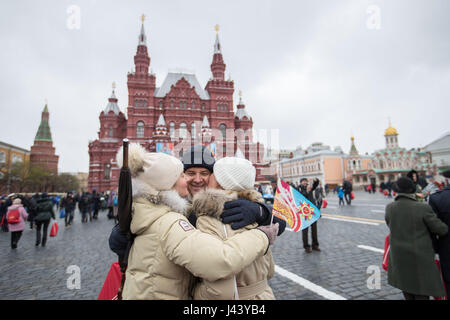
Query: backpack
{"x": 14, "y": 216}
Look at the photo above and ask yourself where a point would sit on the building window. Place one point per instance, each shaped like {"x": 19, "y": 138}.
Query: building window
{"x": 161, "y": 104}
{"x": 172, "y": 129}
{"x": 223, "y": 130}
{"x": 16, "y": 158}
{"x": 193, "y": 104}
{"x": 183, "y": 130}
{"x": 2, "y": 157}
{"x": 140, "y": 129}
{"x": 110, "y": 132}
{"x": 193, "y": 130}
{"x": 203, "y": 107}
{"x": 365, "y": 178}
{"x": 171, "y": 103}
{"x": 108, "y": 172}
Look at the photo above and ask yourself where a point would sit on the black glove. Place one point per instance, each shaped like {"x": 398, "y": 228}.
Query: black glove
{"x": 118, "y": 241}
{"x": 241, "y": 213}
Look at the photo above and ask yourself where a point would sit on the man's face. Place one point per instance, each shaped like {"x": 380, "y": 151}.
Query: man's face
{"x": 304, "y": 183}
{"x": 197, "y": 179}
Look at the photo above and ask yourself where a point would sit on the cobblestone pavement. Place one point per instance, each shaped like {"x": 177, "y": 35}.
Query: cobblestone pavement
{"x": 340, "y": 270}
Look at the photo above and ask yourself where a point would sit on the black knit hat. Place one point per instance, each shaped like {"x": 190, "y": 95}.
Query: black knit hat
{"x": 198, "y": 156}
{"x": 404, "y": 185}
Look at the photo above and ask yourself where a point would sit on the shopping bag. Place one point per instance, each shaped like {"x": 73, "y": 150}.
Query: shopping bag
{"x": 436, "y": 259}
{"x": 54, "y": 229}
{"x": 112, "y": 283}
{"x": 62, "y": 213}
{"x": 352, "y": 195}
{"x": 387, "y": 248}
{"x": 324, "y": 204}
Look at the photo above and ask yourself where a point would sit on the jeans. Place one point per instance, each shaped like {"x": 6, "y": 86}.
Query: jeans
{"x": 69, "y": 217}
{"x": 15, "y": 237}
{"x": 315, "y": 242}
{"x": 39, "y": 224}
{"x": 348, "y": 198}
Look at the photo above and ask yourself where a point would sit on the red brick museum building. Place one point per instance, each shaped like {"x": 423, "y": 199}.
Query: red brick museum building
{"x": 171, "y": 118}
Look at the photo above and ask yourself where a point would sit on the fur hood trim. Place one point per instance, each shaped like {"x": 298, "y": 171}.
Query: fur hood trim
{"x": 169, "y": 198}
{"x": 210, "y": 202}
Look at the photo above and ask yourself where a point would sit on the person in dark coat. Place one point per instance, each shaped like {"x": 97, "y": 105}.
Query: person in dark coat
{"x": 411, "y": 265}
{"x": 96, "y": 203}
{"x": 308, "y": 194}
{"x": 83, "y": 206}
{"x": 44, "y": 215}
{"x": 69, "y": 203}
{"x": 440, "y": 202}
{"x": 348, "y": 188}
{"x": 414, "y": 176}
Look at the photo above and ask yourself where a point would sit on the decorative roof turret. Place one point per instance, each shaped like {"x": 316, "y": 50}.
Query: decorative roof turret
{"x": 112, "y": 103}
{"x": 43, "y": 133}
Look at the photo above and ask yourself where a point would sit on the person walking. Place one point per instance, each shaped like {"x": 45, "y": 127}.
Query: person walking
{"x": 411, "y": 265}
{"x": 69, "y": 206}
{"x": 319, "y": 195}
{"x": 440, "y": 202}
{"x": 96, "y": 203}
{"x": 83, "y": 206}
{"x": 341, "y": 195}
{"x": 307, "y": 192}
{"x": 16, "y": 217}
{"x": 44, "y": 215}
{"x": 348, "y": 188}
{"x": 110, "y": 205}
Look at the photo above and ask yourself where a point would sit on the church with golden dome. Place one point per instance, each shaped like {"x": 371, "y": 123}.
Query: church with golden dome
{"x": 390, "y": 163}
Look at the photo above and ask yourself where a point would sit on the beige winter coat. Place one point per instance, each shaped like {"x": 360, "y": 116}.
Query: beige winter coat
{"x": 168, "y": 250}
{"x": 252, "y": 281}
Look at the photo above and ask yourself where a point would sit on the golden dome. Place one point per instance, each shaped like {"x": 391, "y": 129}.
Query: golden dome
{"x": 390, "y": 131}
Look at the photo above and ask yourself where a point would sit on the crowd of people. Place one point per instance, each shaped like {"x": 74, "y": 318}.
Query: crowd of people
{"x": 40, "y": 208}
{"x": 418, "y": 221}
{"x": 200, "y": 230}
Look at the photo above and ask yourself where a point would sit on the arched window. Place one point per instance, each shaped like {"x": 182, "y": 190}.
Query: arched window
{"x": 107, "y": 171}
{"x": 223, "y": 130}
{"x": 140, "y": 129}
{"x": 193, "y": 130}
{"x": 2, "y": 157}
{"x": 110, "y": 132}
{"x": 183, "y": 130}
{"x": 193, "y": 104}
{"x": 203, "y": 107}
{"x": 172, "y": 129}
{"x": 161, "y": 104}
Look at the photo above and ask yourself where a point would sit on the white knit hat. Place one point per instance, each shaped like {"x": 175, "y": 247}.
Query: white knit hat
{"x": 234, "y": 173}
{"x": 152, "y": 172}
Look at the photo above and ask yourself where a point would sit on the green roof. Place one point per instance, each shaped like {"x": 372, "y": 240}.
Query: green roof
{"x": 43, "y": 133}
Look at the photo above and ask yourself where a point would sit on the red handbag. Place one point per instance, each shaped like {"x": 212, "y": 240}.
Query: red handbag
{"x": 436, "y": 259}
{"x": 352, "y": 195}
{"x": 387, "y": 248}
{"x": 54, "y": 229}
{"x": 112, "y": 283}
{"x": 324, "y": 204}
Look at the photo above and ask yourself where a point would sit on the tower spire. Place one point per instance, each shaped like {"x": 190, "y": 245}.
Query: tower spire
{"x": 217, "y": 65}
{"x": 142, "y": 36}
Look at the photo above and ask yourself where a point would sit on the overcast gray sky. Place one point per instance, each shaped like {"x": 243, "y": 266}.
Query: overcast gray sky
{"x": 315, "y": 70}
